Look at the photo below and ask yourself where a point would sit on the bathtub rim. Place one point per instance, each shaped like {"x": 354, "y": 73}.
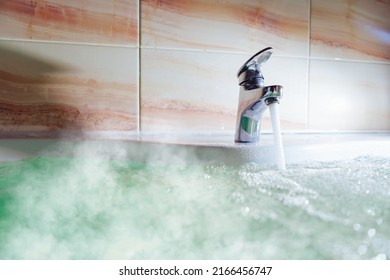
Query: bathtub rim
{"x": 220, "y": 148}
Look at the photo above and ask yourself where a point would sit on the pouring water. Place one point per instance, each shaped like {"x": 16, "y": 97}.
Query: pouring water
{"x": 279, "y": 152}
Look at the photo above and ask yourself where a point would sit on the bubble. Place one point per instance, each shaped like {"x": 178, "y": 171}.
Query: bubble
{"x": 379, "y": 221}
{"x": 357, "y": 227}
{"x": 371, "y": 232}
{"x": 380, "y": 257}
{"x": 362, "y": 250}
{"x": 371, "y": 212}
{"x": 245, "y": 211}
{"x": 262, "y": 190}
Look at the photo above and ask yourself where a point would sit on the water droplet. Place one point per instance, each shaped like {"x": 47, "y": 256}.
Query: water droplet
{"x": 362, "y": 249}
{"x": 357, "y": 227}
{"x": 245, "y": 211}
{"x": 371, "y": 232}
{"x": 379, "y": 221}
{"x": 370, "y": 212}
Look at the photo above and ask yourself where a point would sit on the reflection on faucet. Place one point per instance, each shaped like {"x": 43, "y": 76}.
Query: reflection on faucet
{"x": 254, "y": 98}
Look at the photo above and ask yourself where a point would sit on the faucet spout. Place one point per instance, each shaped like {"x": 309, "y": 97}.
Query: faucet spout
{"x": 252, "y": 106}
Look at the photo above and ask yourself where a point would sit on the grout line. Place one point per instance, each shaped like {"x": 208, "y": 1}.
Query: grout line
{"x": 165, "y": 48}
{"x": 139, "y": 46}
{"x": 350, "y": 60}
{"x": 308, "y": 69}
{"x": 70, "y": 43}
{"x": 139, "y": 68}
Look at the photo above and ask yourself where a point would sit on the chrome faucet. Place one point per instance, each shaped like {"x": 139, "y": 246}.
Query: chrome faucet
{"x": 254, "y": 97}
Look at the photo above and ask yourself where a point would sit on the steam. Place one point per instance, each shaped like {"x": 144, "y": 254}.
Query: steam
{"x": 102, "y": 200}
{"x": 97, "y": 203}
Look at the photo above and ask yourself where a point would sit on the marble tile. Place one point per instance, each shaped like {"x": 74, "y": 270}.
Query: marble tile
{"x": 46, "y": 87}
{"x": 188, "y": 91}
{"x": 352, "y": 30}
{"x": 86, "y": 21}
{"x": 185, "y": 91}
{"x": 349, "y": 96}
{"x": 292, "y": 74}
{"x": 227, "y": 25}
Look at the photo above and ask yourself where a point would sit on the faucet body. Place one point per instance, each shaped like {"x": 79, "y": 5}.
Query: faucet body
{"x": 254, "y": 98}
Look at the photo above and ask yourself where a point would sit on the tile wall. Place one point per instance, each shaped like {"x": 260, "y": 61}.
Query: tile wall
{"x": 170, "y": 65}
{"x": 69, "y": 65}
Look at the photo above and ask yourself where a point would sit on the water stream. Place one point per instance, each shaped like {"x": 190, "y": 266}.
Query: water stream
{"x": 279, "y": 152}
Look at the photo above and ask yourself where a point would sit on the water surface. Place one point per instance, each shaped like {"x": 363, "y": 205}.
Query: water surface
{"x": 92, "y": 208}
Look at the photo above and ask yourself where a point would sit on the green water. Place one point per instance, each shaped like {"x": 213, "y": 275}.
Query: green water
{"x": 64, "y": 208}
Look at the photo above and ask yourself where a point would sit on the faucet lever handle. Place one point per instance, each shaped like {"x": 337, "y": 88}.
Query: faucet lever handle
{"x": 256, "y": 60}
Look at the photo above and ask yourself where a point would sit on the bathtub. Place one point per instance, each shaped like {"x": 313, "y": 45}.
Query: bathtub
{"x": 198, "y": 197}
{"x": 219, "y": 148}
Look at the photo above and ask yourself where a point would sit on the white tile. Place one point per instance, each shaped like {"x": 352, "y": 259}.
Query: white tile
{"x": 349, "y": 96}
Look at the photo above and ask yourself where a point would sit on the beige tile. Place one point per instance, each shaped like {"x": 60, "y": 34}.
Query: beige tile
{"x": 349, "y": 96}
{"x": 188, "y": 91}
{"x": 184, "y": 91}
{"x": 292, "y": 74}
{"x": 46, "y": 86}
{"x": 357, "y": 30}
{"x": 227, "y": 25}
{"x": 86, "y": 21}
